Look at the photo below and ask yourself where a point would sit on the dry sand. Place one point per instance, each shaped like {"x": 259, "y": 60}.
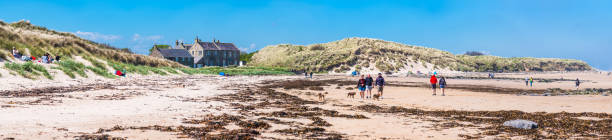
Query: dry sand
{"x": 142, "y": 101}
{"x": 137, "y": 101}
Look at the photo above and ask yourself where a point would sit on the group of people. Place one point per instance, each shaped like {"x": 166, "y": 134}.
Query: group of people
{"x": 529, "y": 82}
{"x": 44, "y": 59}
{"x": 306, "y": 74}
{"x": 365, "y": 85}
{"x": 434, "y": 82}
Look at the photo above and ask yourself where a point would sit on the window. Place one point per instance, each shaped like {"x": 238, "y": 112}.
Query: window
{"x": 199, "y": 53}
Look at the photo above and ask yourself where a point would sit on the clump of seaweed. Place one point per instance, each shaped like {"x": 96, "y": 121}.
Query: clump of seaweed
{"x": 98, "y": 137}
{"x": 254, "y": 124}
{"x": 317, "y": 121}
{"x": 310, "y": 133}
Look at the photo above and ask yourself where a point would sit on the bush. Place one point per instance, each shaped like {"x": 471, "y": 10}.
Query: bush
{"x": 238, "y": 70}
{"x": 95, "y": 62}
{"x": 69, "y": 67}
{"x": 28, "y": 70}
{"x": 101, "y": 72}
{"x": 474, "y": 53}
{"x": 170, "y": 70}
{"x": 316, "y": 47}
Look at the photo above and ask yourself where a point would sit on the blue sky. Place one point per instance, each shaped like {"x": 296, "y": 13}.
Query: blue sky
{"x": 576, "y": 29}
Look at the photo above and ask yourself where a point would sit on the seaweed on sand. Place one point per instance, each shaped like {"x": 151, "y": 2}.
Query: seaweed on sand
{"x": 551, "y": 125}
{"x": 97, "y": 137}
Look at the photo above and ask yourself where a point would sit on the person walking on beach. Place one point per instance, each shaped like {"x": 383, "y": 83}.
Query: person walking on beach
{"x": 310, "y": 74}
{"x": 526, "y": 81}
{"x": 368, "y": 83}
{"x": 531, "y": 81}
{"x": 433, "y": 80}
{"x": 380, "y": 82}
{"x": 577, "y": 83}
{"x": 442, "y": 84}
{"x": 361, "y": 85}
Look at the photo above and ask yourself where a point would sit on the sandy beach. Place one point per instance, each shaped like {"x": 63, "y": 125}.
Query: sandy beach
{"x": 288, "y": 107}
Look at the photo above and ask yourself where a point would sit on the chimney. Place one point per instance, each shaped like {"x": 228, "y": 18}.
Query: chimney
{"x": 196, "y": 39}
{"x": 176, "y": 43}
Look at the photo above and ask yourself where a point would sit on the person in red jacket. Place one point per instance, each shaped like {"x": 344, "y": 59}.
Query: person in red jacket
{"x": 433, "y": 80}
{"x": 118, "y": 73}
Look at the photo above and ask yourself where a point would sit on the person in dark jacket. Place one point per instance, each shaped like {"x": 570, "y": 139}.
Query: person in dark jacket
{"x": 442, "y": 84}
{"x": 577, "y": 83}
{"x": 380, "y": 82}
{"x": 310, "y": 74}
{"x": 369, "y": 82}
{"x": 361, "y": 86}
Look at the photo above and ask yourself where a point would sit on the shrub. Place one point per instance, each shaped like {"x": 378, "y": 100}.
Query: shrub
{"x": 95, "y": 62}
{"x": 170, "y": 70}
{"x": 69, "y": 67}
{"x": 474, "y": 53}
{"x": 101, "y": 72}
{"x": 316, "y": 47}
{"x": 28, "y": 70}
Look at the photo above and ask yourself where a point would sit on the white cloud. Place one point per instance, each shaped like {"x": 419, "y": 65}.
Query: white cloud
{"x": 141, "y": 44}
{"x": 97, "y": 36}
{"x": 138, "y": 37}
{"x": 250, "y": 48}
{"x": 154, "y": 37}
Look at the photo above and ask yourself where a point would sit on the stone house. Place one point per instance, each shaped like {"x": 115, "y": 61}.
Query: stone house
{"x": 202, "y": 54}
{"x": 176, "y": 55}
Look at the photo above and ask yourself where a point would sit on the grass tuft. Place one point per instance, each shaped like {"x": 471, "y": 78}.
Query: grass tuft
{"x": 69, "y": 67}
{"x": 28, "y": 70}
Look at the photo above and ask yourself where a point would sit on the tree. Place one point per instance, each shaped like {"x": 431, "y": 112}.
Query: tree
{"x": 159, "y": 46}
{"x": 246, "y": 56}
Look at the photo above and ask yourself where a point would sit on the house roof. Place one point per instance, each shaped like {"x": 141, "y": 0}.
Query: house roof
{"x": 185, "y": 46}
{"x": 174, "y": 53}
{"x": 218, "y": 46}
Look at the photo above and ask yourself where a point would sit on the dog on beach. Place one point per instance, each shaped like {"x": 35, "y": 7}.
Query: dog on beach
{"x": 321, "y": 96}
{"x": 351, "y": 94}
{"x": 376, "y": 96}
